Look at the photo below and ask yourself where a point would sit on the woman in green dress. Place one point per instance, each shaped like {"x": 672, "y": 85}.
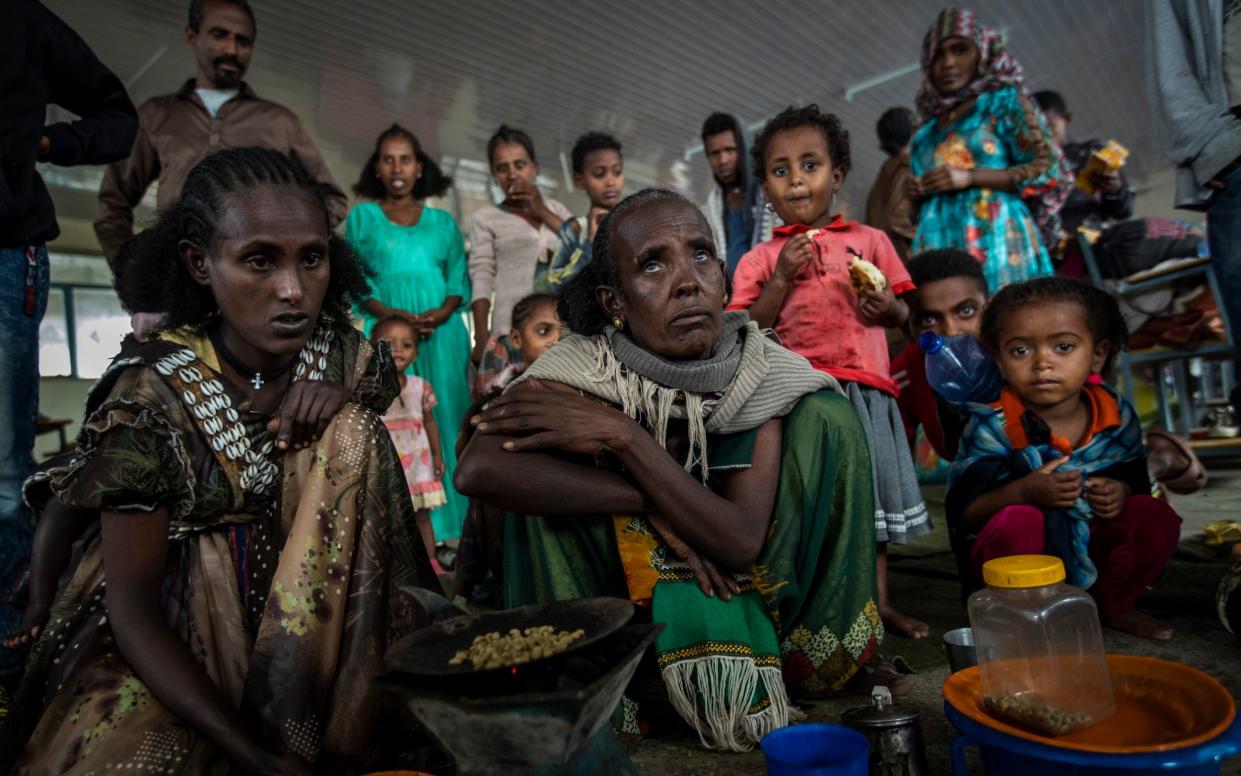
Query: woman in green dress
{"x": 418, "y": 257}
{"x": 672, "y": 454}
{"x": 233, "y": 600}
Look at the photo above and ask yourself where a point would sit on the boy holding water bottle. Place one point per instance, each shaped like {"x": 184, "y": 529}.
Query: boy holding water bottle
{"x": 948, "y": 300}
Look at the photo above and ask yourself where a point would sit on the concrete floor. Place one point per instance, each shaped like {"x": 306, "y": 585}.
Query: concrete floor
{"x": 924, "y": 583}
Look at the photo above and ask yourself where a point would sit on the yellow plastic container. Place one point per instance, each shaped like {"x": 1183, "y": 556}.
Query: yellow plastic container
{"x": 1040, "y": 647}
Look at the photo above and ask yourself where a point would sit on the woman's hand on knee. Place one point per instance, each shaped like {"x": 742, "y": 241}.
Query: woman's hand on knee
{"x": 711, "y": 580}
{"x": 308, "y": 408}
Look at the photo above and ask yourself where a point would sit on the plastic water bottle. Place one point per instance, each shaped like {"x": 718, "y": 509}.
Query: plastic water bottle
{"x": 959, "y": 369}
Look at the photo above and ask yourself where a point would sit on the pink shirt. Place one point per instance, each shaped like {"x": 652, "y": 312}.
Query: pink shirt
{"x": 820, "y": 318}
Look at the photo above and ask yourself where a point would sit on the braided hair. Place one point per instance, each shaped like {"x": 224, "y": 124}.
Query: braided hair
{"x": 1099, "y": 309}
{"x": 527, "y": 305}
{"x": 431, "y": 183}
{"x": 579, "y": 307}
{"x": 151, "y": 275}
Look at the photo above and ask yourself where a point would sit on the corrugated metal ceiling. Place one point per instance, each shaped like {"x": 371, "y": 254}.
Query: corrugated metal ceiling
{"x": 647, "y": 71}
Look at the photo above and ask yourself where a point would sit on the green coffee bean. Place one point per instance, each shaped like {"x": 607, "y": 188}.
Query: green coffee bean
{"x": 1032, "y": 711}
{"x": 492, "y": 650}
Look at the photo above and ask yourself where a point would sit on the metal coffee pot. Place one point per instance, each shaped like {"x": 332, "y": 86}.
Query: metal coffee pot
{"x": 895, "y": 735}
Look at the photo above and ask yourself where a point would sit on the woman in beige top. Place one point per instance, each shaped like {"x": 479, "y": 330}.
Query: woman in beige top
{"x": 508, "y": 241}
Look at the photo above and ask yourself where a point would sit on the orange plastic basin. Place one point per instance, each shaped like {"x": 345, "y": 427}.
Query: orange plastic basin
{"x": 1160, "y": 705}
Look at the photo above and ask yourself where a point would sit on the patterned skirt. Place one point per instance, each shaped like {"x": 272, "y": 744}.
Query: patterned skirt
{"x": 808, "y": 603}
{"x": 275, "y": 625}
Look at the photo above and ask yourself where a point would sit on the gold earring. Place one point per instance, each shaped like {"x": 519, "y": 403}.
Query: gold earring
{"x": 726, "y": 298}
{"x": 618, "y": 323}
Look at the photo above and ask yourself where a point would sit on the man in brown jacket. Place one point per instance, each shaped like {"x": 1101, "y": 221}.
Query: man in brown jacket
{"x": 888, "y": 206}
{"x": 214, "y": 110}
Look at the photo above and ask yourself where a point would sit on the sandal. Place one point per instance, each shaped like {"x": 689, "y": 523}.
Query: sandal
{"x": 1188, "y": 480}
{"x": 1222, "y": 532}
{"x": 1190, "y": 336}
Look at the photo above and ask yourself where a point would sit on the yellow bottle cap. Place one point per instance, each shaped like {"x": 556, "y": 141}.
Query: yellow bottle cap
{"x": 1023, "y": 571}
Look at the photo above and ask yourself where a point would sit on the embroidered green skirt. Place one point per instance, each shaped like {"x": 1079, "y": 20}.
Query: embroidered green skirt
{"x": 807, "y": 613}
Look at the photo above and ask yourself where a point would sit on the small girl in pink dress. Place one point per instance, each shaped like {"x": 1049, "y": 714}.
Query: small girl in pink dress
{"x": 412, "y": 425}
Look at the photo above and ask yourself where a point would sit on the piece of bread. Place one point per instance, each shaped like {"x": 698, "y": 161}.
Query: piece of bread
{"x": 865, "y": 276}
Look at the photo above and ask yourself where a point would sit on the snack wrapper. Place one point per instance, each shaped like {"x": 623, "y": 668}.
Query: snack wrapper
{"x": 1110, "y": 157}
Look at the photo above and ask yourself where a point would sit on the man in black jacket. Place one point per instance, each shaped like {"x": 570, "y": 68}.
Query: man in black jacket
{"x": 44, "y": 62}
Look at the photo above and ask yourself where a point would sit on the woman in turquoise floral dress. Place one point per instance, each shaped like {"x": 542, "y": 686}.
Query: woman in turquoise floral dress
{"x": 418, "y": 256}
{"x": 987, "y": 174}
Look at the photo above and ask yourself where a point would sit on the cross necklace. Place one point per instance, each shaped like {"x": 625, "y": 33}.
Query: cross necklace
{"x": 260, "y": 376}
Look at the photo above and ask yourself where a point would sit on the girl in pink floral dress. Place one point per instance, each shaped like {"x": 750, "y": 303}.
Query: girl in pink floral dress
{"x": 412, "y": 425}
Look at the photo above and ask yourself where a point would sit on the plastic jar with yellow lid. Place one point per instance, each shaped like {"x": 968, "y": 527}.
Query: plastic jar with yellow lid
{"x": 1040, "y": 647}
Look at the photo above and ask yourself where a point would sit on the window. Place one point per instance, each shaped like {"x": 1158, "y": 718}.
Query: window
{"x": 84, "y": 323}
{"x": 99, "y": 325}
{"x": 54, "y": 360}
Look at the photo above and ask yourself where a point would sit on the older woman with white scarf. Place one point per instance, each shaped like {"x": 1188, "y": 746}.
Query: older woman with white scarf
{"x": 672, "y": 454}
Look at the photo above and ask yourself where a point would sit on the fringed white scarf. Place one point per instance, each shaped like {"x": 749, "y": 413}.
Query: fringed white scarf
{"x": 768, "y": 382}
{"x": 725, "y": 686}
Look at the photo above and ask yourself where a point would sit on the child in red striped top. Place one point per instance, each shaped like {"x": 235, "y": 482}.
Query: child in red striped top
{"x": 799, "y": 284}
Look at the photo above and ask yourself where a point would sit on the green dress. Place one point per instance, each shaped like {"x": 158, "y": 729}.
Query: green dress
{"x": 814, "y": 580}
{"x": 416, "y": 268}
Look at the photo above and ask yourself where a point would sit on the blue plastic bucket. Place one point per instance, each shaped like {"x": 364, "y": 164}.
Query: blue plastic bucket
{"x": 816, "y": 749}
{"x": 1007, "y": 755}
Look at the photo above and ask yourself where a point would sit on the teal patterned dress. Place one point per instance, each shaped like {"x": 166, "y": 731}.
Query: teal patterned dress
{"x": 416, "y": 268}
{"x": 1001, "y": 131}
